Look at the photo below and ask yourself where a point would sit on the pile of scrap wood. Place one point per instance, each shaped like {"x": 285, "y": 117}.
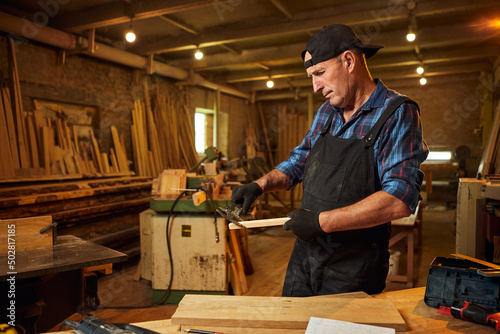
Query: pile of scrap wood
{"x": 162, "y": 132}
{"x": 34, "y": 146}
{"x": 72, "y": 203}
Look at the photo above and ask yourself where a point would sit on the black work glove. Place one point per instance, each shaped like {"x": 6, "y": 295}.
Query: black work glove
{"x": 245, "y": 195}
{"x": 304, "y": 224}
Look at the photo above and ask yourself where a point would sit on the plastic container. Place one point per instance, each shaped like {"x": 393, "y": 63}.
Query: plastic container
{"x": 451, "y": 280}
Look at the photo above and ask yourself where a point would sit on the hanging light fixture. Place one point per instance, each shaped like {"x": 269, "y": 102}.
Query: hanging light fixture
{"x": 270, "y": 83}
{"x": 423, "y": 81}
{"x": 198, "y": 54}
{"x": 129, "y": 34}
{"x": 420, "y": 70}
{"x": 410, "y": 37}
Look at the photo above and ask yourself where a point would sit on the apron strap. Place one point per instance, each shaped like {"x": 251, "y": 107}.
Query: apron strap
{"x": 328, "y": 123}
{"x": 371, "y": 136}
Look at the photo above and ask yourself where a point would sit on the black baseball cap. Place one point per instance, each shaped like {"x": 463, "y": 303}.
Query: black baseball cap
{"x": 331, "y": 41}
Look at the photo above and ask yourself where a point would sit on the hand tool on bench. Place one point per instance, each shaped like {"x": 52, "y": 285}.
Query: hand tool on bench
{"x": 233, "y": 212}
{"x": 473, "y": 312}
{"x": 93, "y": 325}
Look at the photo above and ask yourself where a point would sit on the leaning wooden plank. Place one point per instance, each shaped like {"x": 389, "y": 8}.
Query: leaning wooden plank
{"x": 27, "y": 233}
{"x": 283, "y": 312}
{"x": 260, "y": 223}
{"x": 105, "y": 163}
{"x": 120, "y": 154}
{"x": 234, "y": 246}
{"x": 71, "y": 167}
{"x": 96, "y": 153}
{"x": 114, "y": 163}
{"x": 9, "y": 118}
{"x": 33, "y": 144}
{"x": 45, "y": 153}
{"x": 75, "y": 138}
{"x": 6, "y": 165}
{"x": 136, "y": 151}
{"x": 17, "y": 106}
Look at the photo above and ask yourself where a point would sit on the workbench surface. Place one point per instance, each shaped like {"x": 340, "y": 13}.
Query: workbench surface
{"x": 419, "y": 318}
{"x": 69, "y": 253}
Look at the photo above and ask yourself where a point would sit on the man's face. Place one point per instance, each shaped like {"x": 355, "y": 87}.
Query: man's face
{"x": 329, "y": 77}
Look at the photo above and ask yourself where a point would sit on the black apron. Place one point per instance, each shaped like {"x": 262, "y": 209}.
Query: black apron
{"x": 340, "y": 172}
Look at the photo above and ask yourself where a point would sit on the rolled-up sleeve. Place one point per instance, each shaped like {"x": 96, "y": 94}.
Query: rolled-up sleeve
{"x": 401, "y": 150}
{"x": 294, "y": 166}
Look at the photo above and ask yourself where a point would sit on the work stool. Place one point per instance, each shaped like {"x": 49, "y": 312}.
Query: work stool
{"x": 405, "y": 227}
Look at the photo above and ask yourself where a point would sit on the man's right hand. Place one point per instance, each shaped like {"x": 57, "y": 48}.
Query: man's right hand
{"x": 245, "y": 195}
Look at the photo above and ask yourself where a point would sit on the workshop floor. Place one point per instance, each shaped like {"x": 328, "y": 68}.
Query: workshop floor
{"x": 126, "y": 300}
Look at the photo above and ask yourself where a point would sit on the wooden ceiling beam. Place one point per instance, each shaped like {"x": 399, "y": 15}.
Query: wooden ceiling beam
{"x": 114, "y": 13}
{"x": 384, "y": 74}
{"x": 429, "y": 40}
{"x": 282, "y": 8}
{"x": 178, "y": 24}
{"x": 360, "y": 20}
{"x": 389, "y": 61}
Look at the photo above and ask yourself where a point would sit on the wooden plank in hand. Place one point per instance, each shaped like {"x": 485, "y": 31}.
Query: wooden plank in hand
{"x": 260, "y": 223}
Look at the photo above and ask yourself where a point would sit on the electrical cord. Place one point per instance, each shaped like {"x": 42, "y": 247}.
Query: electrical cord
{"x": 167, "y": 292}
{"x": 217, "y": 238}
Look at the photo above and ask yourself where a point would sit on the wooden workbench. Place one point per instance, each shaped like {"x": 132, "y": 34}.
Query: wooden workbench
{"x": 419, "y": 318}
{"x": 49, "y": 282}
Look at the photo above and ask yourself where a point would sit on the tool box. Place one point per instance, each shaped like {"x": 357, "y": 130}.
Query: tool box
{"x": 452, "y": 280}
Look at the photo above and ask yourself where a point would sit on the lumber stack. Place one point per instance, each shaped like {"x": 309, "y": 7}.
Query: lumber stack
{"x": 162, "y": 133}
{"x": 38, "y": 147}
{"x": 76, "y": 202}
{"x": 293, "y": 127}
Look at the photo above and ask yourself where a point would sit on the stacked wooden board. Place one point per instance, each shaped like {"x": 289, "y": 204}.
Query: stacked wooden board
{"x": 76, "y": 202}
{"x": 162, "y": 132}
{"x": 216, "y": 313}
{"x": 34, "y": 146}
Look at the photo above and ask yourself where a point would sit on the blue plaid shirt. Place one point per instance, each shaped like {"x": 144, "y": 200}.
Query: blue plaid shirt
{"x": 399, "y": 149}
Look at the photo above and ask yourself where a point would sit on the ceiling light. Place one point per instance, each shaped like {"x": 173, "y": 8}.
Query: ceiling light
{"x": 198, "y": 54}
{"x": 410, "y": 37}
{"x": 130, "y": 36}
{"x": 423, "y": 81}
{"x": 270, "y": 83}
{"x": 420, "y": 70}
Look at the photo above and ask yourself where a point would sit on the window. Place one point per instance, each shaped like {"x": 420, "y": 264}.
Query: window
{"x": 204, "y": 129}
{"x": 440, "y": 155}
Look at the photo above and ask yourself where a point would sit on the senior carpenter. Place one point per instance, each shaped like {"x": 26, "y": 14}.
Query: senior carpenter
{"x": 359, "y": 165}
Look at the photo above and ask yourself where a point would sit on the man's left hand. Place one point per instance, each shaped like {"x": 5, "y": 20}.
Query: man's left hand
{"x": 304, "y": 224}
